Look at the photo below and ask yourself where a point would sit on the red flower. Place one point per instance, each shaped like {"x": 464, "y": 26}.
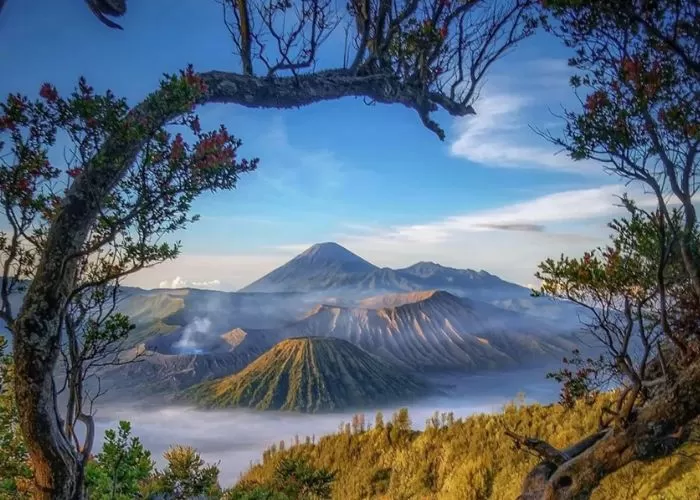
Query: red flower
{"x": 193, "y": 79}
{"x": 7, "y": 123}
{"x": 48, "y": 92}
{"x": 23, "y": 185}
{"x": 596, "y": 100}
{"x": 443, "y": 32}
{"x": 177, "y": 148}
{"x": 195, "y": 126}
{"x": 74, "y": 172}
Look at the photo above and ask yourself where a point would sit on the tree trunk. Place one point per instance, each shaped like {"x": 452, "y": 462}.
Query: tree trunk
{"x": 658, "y": 429}
{"x": 37, "y": 332}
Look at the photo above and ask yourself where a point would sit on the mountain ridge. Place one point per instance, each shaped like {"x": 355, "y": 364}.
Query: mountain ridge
{"x": 329, "y": 266}
{"x": 438, "y": 332}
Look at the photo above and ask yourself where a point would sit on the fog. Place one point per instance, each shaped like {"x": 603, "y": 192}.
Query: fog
{"x": 236, "y": 438}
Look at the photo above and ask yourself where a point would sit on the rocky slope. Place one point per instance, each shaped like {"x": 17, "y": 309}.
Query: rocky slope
{"x": 436, "y": 330}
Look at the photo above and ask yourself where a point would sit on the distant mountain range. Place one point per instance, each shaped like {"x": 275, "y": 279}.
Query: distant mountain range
{"x": 310, "y": 374}
{"x": 330, "y": 267}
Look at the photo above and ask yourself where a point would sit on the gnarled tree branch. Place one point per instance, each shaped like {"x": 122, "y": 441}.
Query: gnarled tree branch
{"x": 658, "y": 429}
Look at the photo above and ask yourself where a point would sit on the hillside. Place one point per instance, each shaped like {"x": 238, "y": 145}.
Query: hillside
{"x": 468, "y": 459}
{"x": 436, "y": 330}
{"x": 309, "y": 374}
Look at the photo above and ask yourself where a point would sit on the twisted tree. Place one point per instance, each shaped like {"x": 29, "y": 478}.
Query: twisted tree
{"x": 637, "y": 76}
{"x": 423, "y": 54}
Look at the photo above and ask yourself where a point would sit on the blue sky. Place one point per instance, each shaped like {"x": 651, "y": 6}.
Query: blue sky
{"x": 370, "y": 177}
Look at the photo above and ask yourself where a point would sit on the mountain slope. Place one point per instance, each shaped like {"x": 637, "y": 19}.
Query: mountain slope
{"x": 309, "y": 374}
{"x": 436, "y": 330}
{"x": 322, "y": 266}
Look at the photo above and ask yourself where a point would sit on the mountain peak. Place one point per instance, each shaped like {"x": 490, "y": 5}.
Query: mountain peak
{"x": 322, "y": 266}
{"x": 329, "y": 251}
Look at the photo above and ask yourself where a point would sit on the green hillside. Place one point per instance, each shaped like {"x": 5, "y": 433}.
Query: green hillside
{"x": 467, "y": 459}
{"x": 309, "y": 374}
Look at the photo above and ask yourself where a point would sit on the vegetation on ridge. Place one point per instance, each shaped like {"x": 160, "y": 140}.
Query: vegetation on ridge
{"x": 470, "y": 458}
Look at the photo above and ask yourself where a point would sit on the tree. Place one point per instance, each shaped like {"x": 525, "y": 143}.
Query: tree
{"x": 619, "y": 286}
{"x": 296, "y": 478}
{"x": 126, "y": 219}
{"x": 119, "y": 470}
{"x": 639, "y": 65}
{"x": 425, "y": 55}
{"x": 186, "y": 475}
{"x": 637, "y": 68}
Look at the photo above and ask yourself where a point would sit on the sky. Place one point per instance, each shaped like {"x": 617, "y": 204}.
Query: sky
{"x": 494, "y": 195}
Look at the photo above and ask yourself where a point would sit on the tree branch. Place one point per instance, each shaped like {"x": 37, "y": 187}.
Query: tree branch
{"x": 656, "y": 431}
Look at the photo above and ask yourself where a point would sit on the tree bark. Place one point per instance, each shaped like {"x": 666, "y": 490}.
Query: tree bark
{"x": 657, "y": 430}
{"x": 37, "y": 332}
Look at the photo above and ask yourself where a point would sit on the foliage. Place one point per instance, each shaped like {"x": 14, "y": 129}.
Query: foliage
{"x": 186, "y": 475}
{"x": 471, "y": 458}
{"x": 120, "y": 469}
{"x": 630, "y": 290}
{"x": 638, "y": 80}
{"x": 15, "y": 470}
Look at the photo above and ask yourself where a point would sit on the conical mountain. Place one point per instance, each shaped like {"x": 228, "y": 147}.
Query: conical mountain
{"x": 310, "y": 374}
{"x": 320, "y": 267}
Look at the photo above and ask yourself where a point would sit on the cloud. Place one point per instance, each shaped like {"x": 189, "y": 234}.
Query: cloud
{"x": 530, "y": 216}
{"x": 536, "y": 228}
{"x": 221, "y": 272}
{"x": 179, "y": 282}
{"x": 499, "y": 134}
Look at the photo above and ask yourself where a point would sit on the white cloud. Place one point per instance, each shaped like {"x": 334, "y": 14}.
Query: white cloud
{"x": 179, "y": 282}
{"x": 499, "y": 135}
{"x": 527, "y": 216}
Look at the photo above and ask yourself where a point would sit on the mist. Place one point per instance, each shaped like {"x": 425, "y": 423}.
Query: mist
{"x": 237, "y": 438}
